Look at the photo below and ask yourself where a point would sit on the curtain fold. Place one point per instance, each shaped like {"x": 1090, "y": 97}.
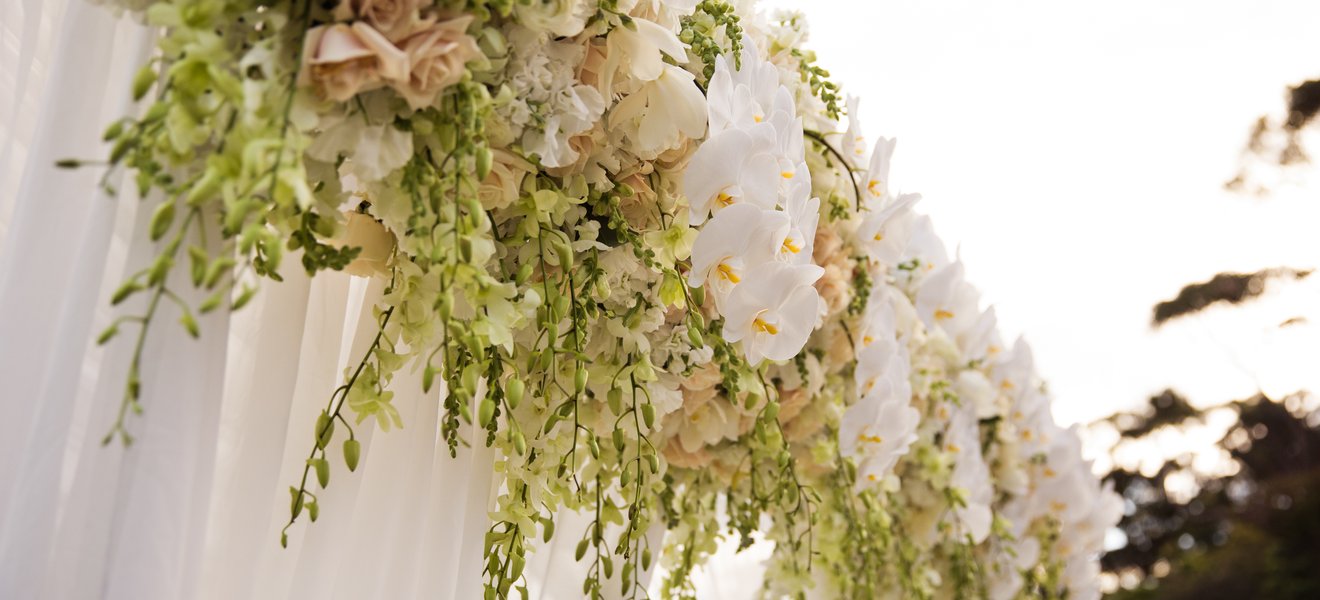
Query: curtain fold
{"x": 194, "y": 508}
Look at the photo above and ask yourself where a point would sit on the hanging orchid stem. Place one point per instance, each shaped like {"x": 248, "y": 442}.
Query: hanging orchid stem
{"x": 332, "y": 411}
{"x": 133, "y": 388}
{"x": 843, "y": 162}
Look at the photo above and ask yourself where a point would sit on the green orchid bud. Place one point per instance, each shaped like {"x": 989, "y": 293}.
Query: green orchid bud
{"x": 580, "y": 380}
{"x": 513, "y": 392}
{"x": 484, "y": 162}
{"x": 142, "y": 82}
{"x": 161, "y": 220}
{"x": 614, "y": 398}
{"x": 486, "y": 412}
{"x": 352, "y": 452}
{"x": 648, "y": 415}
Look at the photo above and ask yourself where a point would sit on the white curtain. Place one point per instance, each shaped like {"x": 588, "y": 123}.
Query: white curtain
{"x": 194, "y": 507}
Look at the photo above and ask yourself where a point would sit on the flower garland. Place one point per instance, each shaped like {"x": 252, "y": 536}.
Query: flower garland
{"x": 643, "y": 246}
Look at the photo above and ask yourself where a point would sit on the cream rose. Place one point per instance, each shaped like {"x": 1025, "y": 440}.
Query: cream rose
{"x": 438, "y": 53}
{"x": 341, "y": 60}
{"x": 377, "y": 244}
{"x": 504, "y": 183}
{"x": 393, "y": 18}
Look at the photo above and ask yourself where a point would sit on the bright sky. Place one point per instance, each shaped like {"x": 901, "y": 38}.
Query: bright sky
{"x": 1075, "y": 152}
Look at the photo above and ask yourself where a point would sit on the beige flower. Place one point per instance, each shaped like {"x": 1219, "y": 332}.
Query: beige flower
{"x": 438, "y": 53}
{"x": 377, "y": 244}
{"x": 840, "y": 348}
{"x": 640, "y": 208}
{"x": 791, "y": 403}
{"x": 827, "y": 245}
{"x": 504, "y": 183}
{"x": 833, "y": 287}
{"x": 341, "y": 60}
{"x": 393, "y": 18}
{"x": 584, "y": 144}
{"x": 677, "y": 456}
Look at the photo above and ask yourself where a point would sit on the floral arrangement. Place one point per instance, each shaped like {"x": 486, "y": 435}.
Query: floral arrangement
{"x": 642, "y": 244}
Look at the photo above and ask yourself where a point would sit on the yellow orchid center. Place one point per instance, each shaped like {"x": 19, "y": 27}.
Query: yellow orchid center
{"x": 728, "y": 273}
{"x": 1057, "y": 506}
{"x": 758, "y": 118}
{"x": 791, "y": 247}
{"x": 786, "y": 174}
{"x": 866, "y": 340}
{"x": 873, "y": 186}
{"x": 1026, "y": 435}
{"x": 871, "y": 477}
{"x": 870, "y": 439}
{"x": 759, "y": 324}
{"x": 955, "y": 448}
{"x": 879, "y": 236}
{"x": 1050, "y": 472}
{"x": 943, "y": 315}
{"x": 724, "y": 199}
{"x": 1006, "y": 385}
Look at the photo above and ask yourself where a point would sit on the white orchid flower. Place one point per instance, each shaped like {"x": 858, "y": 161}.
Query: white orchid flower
{"x": 853, "y": 144}
{"x": 734, "y": 241}
{"x": 971, "y": 475}
{"x": 742, "y": 97}
{"x": 946, "y": 301}
{"x": 773, "y": 310}
{"x": 884, "y": 233}
{"x": 799, "y": 240}
{"x": 886, "y": 439}
{"x": 734, "y": 166}
{"x": 876, "y": 184}
{"x": 880, "y": 320}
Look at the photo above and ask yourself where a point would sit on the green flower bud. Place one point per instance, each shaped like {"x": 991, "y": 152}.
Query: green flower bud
{"x": 513, "y": 392}
{"x": 352, "y": 452}
{"x": 486, "y": 412}
{"x": 142, "y": 81}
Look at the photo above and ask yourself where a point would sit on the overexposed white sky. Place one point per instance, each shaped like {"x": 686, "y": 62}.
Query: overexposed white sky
{"x": 1075, "y": 152}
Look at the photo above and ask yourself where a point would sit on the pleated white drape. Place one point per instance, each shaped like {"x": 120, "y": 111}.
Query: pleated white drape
{"x": 193, "y": 509}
